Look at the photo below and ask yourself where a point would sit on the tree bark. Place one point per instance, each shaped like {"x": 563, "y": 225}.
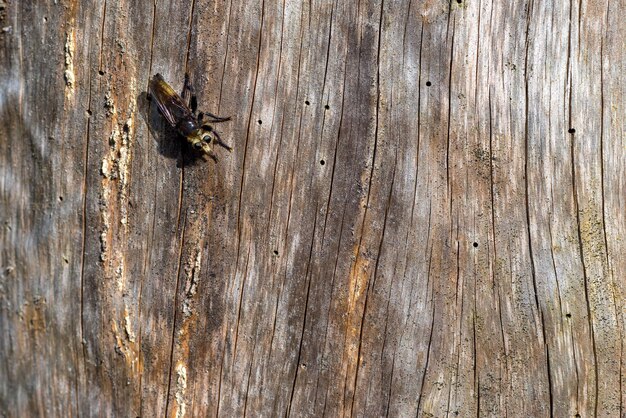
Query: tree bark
{"x": 423, "y": 213}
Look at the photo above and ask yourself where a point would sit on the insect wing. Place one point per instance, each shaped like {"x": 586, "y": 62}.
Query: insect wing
{"x": 169, "y": 102}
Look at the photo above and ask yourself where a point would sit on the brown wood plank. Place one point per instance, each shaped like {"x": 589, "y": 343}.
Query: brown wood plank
{"x": 423, "y": 213}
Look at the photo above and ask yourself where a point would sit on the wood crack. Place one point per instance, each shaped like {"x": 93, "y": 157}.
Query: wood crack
{"x": 173, "y": 344}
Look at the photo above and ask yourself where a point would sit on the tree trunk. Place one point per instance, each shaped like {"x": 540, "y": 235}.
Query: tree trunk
{"x": 424, "y": 212}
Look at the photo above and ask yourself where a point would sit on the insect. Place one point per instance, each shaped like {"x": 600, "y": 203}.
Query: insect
{"x": 182, "y": 114}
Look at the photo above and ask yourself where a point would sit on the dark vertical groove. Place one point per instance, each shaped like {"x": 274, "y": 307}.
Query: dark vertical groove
{"x": 549, "y": 370}
{"x": 585, "y": 278}
{"x": 245, "y": 152}
{"x": 406, "y": 26}
{"x": 568, "y": 105}
{"x": 297, "y": 89}
{"x": 193, "y": 4}
{"x": 182, "y": 238}
{"x": 104, "y": 13}
{"x": 577, "y": 210}
{"x": 243, "y": 285}
{"x": 419, "y": 111}
{"x": 458, "y": 266}
{"x": 84, "y": 236}
{"x": 180, "y": 262}
{"x": 621, "y": 346}
{"x": 393, "y": 366}
{"x": 367, "y": 205}
{"x": 245, "y": 401}
{"x": 609, "y": 270}
{"x": 151, "y": 235}
{"x": 526, "y": 153}
{"x": 430, "y": 342}
{"x": 606, "y": 243}
{"x": 84, "y": 211}
{"x": 307, "y": 276}
{"x": 372, "y": 282}
{"x": 475, "y": 365}
{"x": 219, "y": 101}
{"x": 430, "y": 337}
{"x": 330, "y": 34}
{"x": 476, "y": 65}
{"x": 370, "y": 285}
{"x": 241, "y": 187}
{"x": 491, "y": 189}
{"x": 459, "y": 291}
{"x": 292, "y": 174}
{"x": 580, "y": 17}
{"x": 82, "y": 258}
{"x": 276, "y": 305}
{"x": 450, "y": 110}
{"x": 227, "y": 43}
{"x": 282, "y": 124}
{"x": 502, "y": 337}
{"x": 478, "y": 401}
{"x": 306, "y": 309}
{"x": 331, "y": 287}
{"x": 343, "y": 95}
{"x": 293, "y": 167}
{"x": 556, "y": 274}
{"x": 152, "y": 42}
{"x": 573, "y": 344}
{"x": 219, "y": 383}
{"x": 395, "y": 350}
{"x": 332, "y": 174}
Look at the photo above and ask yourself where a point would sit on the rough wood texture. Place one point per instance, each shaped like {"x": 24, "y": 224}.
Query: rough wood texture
{"x": 405, "y": 226}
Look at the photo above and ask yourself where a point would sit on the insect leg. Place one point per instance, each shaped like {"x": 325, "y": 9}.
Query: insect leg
{"x": 212, "y": 155}
{"x": 218, "y": 141}
{"x": 215, "y": 118}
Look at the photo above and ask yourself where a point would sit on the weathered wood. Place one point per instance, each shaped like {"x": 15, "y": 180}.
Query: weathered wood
{"x": 423, "y": 213}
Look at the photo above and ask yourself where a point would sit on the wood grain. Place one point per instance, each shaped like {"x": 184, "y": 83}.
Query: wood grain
{"x": 423, "y": 213}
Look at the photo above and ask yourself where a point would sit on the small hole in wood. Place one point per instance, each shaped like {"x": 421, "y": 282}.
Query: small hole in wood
{"x": 475, "y": 245}
{"x": 326, "y": 107}
{"x": 260, "y": 122}
{"x": 307, "y": 102}
{"x": 571, "y": 130}
{"x": 322, "y": 162}
{"x": 459, "y": 1}
{"x": 60, "y": 198}
{"x": 428, "y": 83}
{"x": 101, "y": 72}
{"x": 275, "y": 252}
{"x": 89, "y": 112}
{"x": 568, "y": 315}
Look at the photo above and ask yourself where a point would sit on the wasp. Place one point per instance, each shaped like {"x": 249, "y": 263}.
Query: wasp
{"x": 182, "y": 114}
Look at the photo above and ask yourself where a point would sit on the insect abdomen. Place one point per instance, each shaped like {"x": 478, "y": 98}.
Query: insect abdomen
{"x": 187, "y": 126}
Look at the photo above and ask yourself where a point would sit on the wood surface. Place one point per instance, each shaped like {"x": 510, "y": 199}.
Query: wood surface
{"x": 424, "y": 213}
